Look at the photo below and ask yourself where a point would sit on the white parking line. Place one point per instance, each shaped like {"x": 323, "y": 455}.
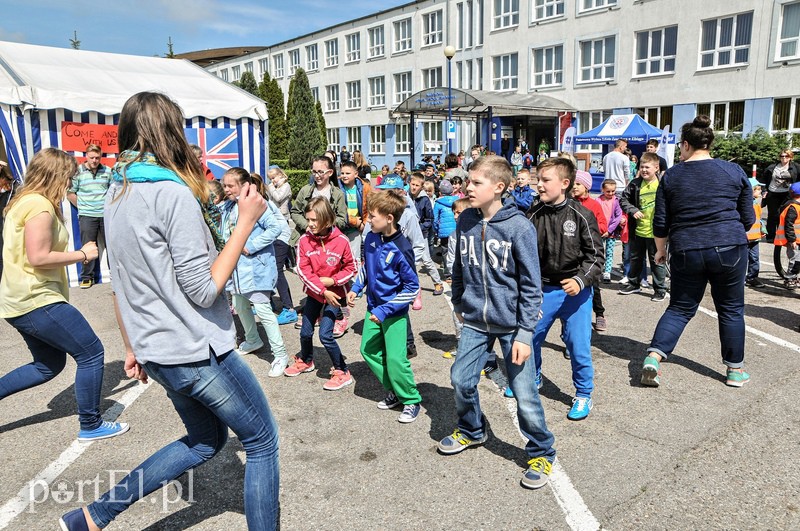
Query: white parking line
{"x": 28, "y": 494}
{"x": 769, "y": 337}
{"x": 576, "y": 512}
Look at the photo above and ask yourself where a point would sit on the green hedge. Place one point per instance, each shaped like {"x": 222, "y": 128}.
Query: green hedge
{"x": 297, "y": 179}
{"x": 283, "y": 163}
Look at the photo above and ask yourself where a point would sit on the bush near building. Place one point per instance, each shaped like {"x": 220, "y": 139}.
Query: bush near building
{"x": 759, "y": 147}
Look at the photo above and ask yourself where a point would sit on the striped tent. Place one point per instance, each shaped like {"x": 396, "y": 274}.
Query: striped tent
{"x": 43, "y": 88}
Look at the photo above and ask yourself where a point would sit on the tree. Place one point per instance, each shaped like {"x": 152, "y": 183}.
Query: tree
{"x": 74, "y": 42}
{"x": 271, "y": 92}
{"x": 759, "y": 148}
{"x": 323, "y": 129}
{"x": 248, "y": 82}
{"x": 304, "y": 138}
{"x": 170, "y": 52}
{"x": 289, "y": 102}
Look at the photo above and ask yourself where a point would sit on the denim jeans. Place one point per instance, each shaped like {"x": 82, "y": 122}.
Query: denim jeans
{"x": 51, "y": 332}
{"x": 268, "y": 320}
{"x": 753, "y": 261}
{"x": 210, "y": 396}
{"x": 465, "y": 375}
{"x": 642, "y": 248}
{"x": 722, "y": 267}
{"x": 626, "y": 261}
{"x": 328, "y": 316}
{"x": 92, "y": 230}
{"x": 282, "y": 286}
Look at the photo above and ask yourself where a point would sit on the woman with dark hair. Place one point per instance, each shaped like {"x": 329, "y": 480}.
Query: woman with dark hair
{"x": 778, "y": 177}
{"x": 696, "y": 199}
{"x": 177, "y": 328}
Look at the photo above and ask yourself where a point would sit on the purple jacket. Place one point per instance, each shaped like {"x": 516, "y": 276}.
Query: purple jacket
{"x": 616, "y": 214}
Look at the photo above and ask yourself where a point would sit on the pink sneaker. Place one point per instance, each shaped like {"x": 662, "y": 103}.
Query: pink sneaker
{"x": 299, "y": 367}
{"x": 417, "y": 302}
{"x": 340, "y": 328}
{"x": 338, "y": 380}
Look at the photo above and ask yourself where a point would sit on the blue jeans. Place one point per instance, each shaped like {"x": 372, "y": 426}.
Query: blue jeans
{"x": 209, "y": 396}
{"x": 51, "y": 332}
{"x": 753, "y": 261}
{"x": 576, "y": 317}
{"x": 328, "y": 315}
{"x": 722, "y": 267}
{"x": 465, "y": 375}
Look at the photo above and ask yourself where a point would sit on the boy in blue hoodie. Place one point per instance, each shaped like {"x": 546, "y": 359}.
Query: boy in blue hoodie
{"x": 391, "y": 282}
{"x": 496, "y": 294}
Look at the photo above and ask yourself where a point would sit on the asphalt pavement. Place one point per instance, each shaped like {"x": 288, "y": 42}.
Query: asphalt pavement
{"x": 692, "y": 454}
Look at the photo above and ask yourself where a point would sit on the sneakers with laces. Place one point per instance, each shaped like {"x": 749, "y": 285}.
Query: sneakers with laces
{"x": 390, "y": 402}
{"x": 86, "y": 283}
{"x": 539, "y": 382}
{"x": 287, "y": 316}
{"x": 449, "y": 354}
{"x": 645, "y": 284}
{"x": 338, "y": 380}
{"x": 755, "y": 283}
{"x": 625, "y": 280}
{"x": 277, "y": 367}
{"x": 507, "y": 392}
{"x": 106, "y": 430}
{"x": 538, "y": 473}
{"x": 490, "y": 367}
{"x": 299, "y": 367}
{"x": 581, "y": 407}
{"x": 651, "y": 372}
{"x": 736, "y": 378}
{"x": 417, "y": 302}
{"x": 438, "y": 289}
{"x": 600, "y": 324}
{"x": 411, "y": 351}
{"x": 340, "y": 328}
{"x": 458, "y": 442}
{"x": 245, "y": 347}
{"x": 409, "y": 414}
{"x": 606, "y": 277}
{"x": 659, "y": 296}
{"x": 629, "y": 289}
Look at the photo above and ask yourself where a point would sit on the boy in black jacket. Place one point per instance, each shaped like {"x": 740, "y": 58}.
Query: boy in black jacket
{"x": 571, "y": 258}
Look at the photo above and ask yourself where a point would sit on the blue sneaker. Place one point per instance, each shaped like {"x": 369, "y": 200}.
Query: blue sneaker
{"x": 73, "y": 521}
{"x": 106, "y": 430}
{"x": 581, "y": 406}
{"x": 539, "y": 381}
{"x": 508, "y": 393}
{"x": 538, "y": 473}
{"x": 458, "y": 442}
{"x": 287, "y": 316}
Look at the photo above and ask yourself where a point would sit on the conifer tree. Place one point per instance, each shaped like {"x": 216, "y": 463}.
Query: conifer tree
{"x": 304, "y": 139}
{"x": 271, "y": 92}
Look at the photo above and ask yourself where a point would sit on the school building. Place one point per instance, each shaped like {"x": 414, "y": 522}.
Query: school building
{"x": 531, "y": 68}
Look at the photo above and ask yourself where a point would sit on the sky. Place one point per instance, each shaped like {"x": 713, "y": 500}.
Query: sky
{"x": 142, "y": 27}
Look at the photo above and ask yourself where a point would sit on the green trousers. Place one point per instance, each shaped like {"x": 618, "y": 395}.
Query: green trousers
{"x": 384, "y": 349}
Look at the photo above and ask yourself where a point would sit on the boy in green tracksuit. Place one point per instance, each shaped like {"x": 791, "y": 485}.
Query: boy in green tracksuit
{"x": 392, "y": 284}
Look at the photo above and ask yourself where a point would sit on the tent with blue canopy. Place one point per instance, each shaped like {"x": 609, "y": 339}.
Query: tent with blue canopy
{"x": 630, "y": 127}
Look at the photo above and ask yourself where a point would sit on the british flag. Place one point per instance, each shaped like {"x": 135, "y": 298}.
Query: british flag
{"x": 220, "y": 148}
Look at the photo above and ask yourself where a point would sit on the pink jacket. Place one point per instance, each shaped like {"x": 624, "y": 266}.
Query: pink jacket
{"x": 326, "y": 256}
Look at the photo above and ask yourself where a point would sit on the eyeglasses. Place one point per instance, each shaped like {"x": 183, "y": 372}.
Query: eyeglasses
{"x": 785, "y": 156}
{"x": 321, "y": 172}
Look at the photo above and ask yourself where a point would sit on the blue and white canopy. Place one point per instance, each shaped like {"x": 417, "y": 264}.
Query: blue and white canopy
{"x": 630, "y": 127}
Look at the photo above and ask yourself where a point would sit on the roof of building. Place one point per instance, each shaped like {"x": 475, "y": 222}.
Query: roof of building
{"x": 204, "y": 58}
{"x": 434, "y": 102}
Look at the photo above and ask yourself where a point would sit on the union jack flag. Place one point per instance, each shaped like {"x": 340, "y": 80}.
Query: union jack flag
{"x": 220, "y": 148}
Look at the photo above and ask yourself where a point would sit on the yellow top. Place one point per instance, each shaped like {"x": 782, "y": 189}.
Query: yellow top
{"x": 23, "y": 287}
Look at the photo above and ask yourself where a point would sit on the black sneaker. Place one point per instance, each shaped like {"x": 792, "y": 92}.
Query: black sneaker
{"x": 630, "y": 289}
{"x": 755, "y": 283}
{"x": 659, "y": 296}
{"x": 411, "y": 351}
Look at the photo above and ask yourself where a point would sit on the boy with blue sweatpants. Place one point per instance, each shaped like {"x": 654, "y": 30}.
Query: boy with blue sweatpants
{"x": 571, "y": 258}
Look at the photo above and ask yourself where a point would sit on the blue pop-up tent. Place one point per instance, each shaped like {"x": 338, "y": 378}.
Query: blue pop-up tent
{"x": 631, "y": 127}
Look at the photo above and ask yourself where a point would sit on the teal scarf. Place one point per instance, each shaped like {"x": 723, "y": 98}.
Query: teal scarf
{"x": 147, "y": 170}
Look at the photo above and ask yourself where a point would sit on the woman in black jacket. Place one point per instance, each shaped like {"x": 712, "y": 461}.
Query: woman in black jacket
{"x": 778, "y": 177}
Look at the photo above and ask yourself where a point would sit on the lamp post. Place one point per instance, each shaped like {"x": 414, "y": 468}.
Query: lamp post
{"x": 449, "y": 52}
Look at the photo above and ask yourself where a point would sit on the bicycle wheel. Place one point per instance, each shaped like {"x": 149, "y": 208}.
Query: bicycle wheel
{"x": 781, "y": 261}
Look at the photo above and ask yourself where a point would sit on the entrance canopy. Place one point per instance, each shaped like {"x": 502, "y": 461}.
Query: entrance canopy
{"x": 630, "y": 127}
{"x": 432, "y": 103}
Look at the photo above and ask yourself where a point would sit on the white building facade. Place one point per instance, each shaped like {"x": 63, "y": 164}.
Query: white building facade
{"x": 668, "y": 60}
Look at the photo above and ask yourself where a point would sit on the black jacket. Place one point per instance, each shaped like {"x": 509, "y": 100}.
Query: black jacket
{"x": 569, "y": 243}
{"x": 629, "y": 202}
{"x": 794, "y": 171}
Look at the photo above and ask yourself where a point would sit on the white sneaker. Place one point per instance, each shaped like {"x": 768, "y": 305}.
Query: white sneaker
{"x": 645, "y": 284}
{"x": 606, "y": 277}
{"x": 278, "y": 366}
{"x": 247, "y": 348}
{"x": 624, "y": 280}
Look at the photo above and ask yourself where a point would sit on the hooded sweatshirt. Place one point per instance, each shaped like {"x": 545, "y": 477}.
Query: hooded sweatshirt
{"x": 325, "y": 256}
{"x": 497, "y": 286}
{"x": 444, "y": 221}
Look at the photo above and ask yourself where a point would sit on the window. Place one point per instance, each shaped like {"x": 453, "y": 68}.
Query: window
{"x": 589, "y": 5}
{"x": 725, "y": 117}
{"x": 479, "y": 7}
{"x": 588, "y": 121}
{"x": 332, "y": 98}
{"x": 248, "y": 67}
{"x": 353, "y": 47}
{"x": 263, "y": 65}
{"x": 354, "y": 138}
{"x": 377, "y": 139}
{"x": 459, "y": 74}
{"x": 545, "y": 9}
{"x": 332, "y": 52}
{"x": 656, "y": 116}
{"x": 726, "y": 41}
{"x": 506, "y": 14}
{"x": 460, "y": 11}
{"x": 315, "y": 94}
{"x": 432, "y": 28}
{"x": 294, "y": 61}
{"x": 402, "y": 87}
{"x": 312, "y": 58}
{"x": 277, "y": 61}
{"x": 354, "y": 94}
{"x": 377, "y": 91}
{"x": 224, "y": 74}
{"x": 402, "y": 139}
{"x": 376, "y": 41}
{"x": 432, "y": 77}
{"x": 505, "y": 69}
{"x": 548, "y": 67}
{"x": 789, "y": 37}
{"x": 655, "y": 51}
{"x": 470, "y": 86}
{"x": 479, "y": 62}
{"x": 597, "y": 60}
{"x": 432, "y": 137}
{"x": 333, "y": 139}
{"x": 237, "y": 72}
{"x": 786, "y": 115}
{"x": 402, "y": 36}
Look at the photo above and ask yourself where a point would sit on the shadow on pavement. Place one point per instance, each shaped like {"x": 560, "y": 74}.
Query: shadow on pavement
{"x": 781, "y": 317}
{"x": 64, "y": 405}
